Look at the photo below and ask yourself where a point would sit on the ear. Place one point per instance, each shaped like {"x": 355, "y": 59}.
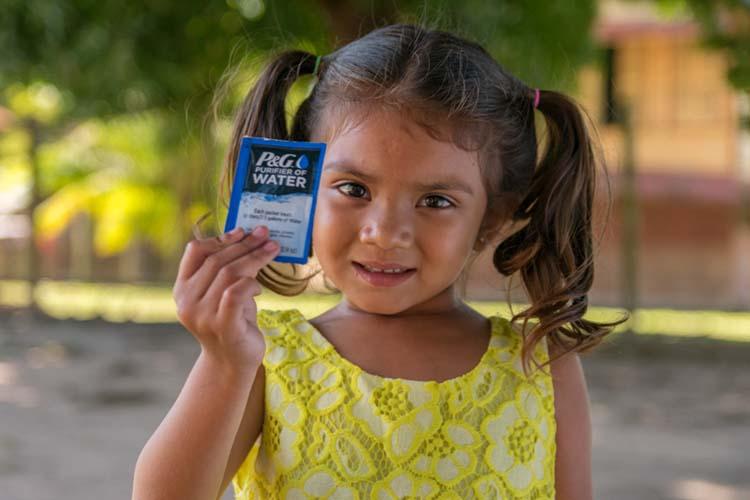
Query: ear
{"x": 498, "y": 223}
{"x": 494, "y": 234}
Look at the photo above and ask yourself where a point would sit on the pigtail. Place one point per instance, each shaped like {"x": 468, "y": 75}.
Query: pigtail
{"x": 263, "y": 114}
{"x": 553, "y": 251}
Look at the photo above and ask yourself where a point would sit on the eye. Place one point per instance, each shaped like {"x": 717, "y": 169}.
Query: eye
{"x": 352, "y": 189}
{"x": 355, "y": 188}
{"x": 443, "y": 199}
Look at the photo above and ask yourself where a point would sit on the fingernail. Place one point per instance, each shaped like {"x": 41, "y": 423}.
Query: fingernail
{"x": 234, "y": 233}
{"x": 270, "y": 246}
{"x": 260, "y": 231}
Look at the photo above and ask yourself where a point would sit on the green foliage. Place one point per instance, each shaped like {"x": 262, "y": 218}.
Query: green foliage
{"x": 111, "y": 57}
{"x": 543, "y": 42}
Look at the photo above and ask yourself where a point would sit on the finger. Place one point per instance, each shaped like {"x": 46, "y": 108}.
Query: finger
{"x": 246, "y": 266}
{"x": 213, "y": 265}
{"x": 208, "y": 248}
{"x": 197, "y": 250}
{"x": 235, "y": 299}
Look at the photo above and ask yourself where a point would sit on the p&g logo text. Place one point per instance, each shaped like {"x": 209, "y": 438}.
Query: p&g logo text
{"x": 288, "y": 160}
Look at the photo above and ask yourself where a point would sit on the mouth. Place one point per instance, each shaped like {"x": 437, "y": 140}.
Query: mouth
{"x": 388, "y": 275}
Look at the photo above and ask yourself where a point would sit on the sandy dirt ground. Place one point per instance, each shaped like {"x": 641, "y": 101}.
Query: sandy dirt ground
{"x": 671, "y": 420}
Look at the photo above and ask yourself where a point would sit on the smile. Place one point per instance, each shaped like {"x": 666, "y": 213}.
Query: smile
{"x": 383, "y": 277}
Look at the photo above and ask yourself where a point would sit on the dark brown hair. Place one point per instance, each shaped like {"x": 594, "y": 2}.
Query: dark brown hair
{"x": 440, "y": 78}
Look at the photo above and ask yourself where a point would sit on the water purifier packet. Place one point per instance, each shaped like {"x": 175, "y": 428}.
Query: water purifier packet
{"x": 276, "y": 185}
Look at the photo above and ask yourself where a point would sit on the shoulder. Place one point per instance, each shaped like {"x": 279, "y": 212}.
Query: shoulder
{"x": 568, "y": 378}
{"x": 569, "y": 383}
{"x": 565, "y": 378}
{"x": 573, "y": 435}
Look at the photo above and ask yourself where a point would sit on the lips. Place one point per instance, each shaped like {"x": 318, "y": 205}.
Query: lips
{"x": 379, "y": 278}
{"x": 383, "y": 266}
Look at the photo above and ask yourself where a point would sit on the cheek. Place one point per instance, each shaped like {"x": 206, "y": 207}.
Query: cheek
{"x": 330, "y": 226}
{"x": 447, "y": 241}
{"x": 324, "y": 217}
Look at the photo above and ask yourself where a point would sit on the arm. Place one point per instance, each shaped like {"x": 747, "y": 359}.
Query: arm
{"x": 573, "y": 459}
{"x": 187, "y": 456}
{"x": 250, "y": 428}
{"x": 218, "y": 413}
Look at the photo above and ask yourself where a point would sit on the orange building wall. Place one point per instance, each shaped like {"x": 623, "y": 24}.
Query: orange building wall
{"x": 685, "y": 125}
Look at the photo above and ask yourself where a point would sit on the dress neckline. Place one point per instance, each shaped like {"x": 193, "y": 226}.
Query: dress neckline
{"x": 483, "y": 360}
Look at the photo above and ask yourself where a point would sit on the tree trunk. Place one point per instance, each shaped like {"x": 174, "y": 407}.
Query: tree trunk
{"x": 34, "y": 257}
{"x": 80, "y": 254}
{"x": 629, "y": 222}
{"x": 741, "y": 269}
{"x": 348, "y": 21}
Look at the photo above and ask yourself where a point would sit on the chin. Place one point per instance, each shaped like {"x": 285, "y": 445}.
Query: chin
{"x": 384, "y": 307}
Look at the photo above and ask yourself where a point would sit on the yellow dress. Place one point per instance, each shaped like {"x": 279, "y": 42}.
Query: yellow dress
{"x": 332, "y": 430}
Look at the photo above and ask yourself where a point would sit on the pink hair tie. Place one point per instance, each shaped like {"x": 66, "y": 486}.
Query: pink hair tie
{"x": 536, "y": 98}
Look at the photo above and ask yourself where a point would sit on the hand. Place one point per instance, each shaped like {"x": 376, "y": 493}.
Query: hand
{"x": 214, "y": 294}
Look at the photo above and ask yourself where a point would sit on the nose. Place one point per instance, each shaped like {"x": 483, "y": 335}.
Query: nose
{"x": 388, "y": 226}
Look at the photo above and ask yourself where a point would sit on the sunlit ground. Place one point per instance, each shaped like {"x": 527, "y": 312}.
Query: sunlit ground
{"x": 149, "y": 304}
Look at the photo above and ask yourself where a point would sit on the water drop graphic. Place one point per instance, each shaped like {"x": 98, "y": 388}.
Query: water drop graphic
{"x": 303, "y": 162}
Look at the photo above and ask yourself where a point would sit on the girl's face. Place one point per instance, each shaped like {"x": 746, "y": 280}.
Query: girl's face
{"x": 391, "y": 195}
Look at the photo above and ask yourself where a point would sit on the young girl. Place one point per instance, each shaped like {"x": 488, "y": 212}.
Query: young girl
{"x": 401, "y": 390}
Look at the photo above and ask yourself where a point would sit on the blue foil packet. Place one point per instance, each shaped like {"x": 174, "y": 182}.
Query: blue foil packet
{"x": 276, "y": 185}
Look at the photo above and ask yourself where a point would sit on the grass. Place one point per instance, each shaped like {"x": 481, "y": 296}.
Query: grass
{"x": 153, "y": 304}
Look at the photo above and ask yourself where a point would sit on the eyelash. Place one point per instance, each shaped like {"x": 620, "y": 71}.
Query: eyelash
{"x": 430, "y": 196}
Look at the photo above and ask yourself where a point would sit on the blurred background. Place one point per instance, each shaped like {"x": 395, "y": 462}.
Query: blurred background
{"x": 114, "y": 117}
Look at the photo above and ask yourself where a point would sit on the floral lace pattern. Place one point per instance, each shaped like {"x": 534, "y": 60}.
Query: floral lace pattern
{"x": 332, "y": 430}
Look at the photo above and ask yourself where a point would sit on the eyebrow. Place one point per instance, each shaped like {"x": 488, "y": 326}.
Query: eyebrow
{"x": 446, "y": 185}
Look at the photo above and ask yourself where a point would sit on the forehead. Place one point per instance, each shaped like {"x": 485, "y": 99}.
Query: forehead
{"x": 387, "y": 141}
